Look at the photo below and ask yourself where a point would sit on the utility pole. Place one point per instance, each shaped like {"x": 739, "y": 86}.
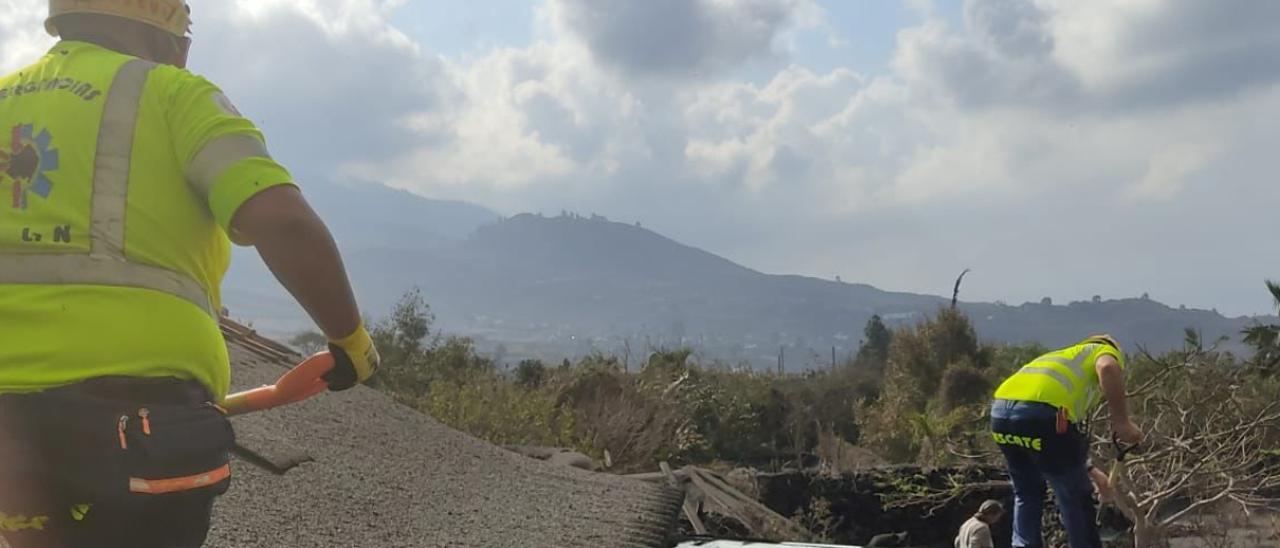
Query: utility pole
{"x": 833, "y": 359}
{"x": 782, "y": 361}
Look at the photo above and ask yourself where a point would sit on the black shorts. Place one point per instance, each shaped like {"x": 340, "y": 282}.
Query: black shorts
{"x": 111, "y": 462}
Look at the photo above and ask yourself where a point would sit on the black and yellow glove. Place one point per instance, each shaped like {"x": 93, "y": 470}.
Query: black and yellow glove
{"x": 355, "y": 360}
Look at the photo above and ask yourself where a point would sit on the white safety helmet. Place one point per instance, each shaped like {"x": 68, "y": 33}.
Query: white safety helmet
{"x": 172, "y": 16}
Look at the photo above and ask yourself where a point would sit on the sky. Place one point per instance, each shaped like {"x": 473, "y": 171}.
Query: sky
{"x": 1058, "y": 148}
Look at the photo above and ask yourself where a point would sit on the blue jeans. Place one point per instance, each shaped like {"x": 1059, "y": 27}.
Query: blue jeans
{"x": 1035, "y": 452}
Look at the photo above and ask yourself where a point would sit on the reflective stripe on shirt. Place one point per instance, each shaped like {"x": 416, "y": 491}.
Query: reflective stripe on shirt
{"x": 106, "y": 263}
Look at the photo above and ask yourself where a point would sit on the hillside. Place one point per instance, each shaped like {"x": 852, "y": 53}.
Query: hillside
{"x": 571, "y": 285}
{"x": 404, "y": 221}
{"x": 393, "y": 218}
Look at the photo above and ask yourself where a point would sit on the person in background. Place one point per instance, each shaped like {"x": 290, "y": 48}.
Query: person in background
{"x": 976, "y": 533}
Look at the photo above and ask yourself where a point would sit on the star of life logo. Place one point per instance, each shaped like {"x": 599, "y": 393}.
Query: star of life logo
{"x": 25, "y": 163}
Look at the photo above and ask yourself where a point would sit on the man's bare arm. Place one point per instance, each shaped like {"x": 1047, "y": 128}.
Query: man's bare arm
{"x": 298, "y": 248}
{"x": 1111, "y": 377}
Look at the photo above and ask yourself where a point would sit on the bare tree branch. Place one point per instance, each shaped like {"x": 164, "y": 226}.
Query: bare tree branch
{"x": 955, "y": 294}
{"x": 1212, "y": 436}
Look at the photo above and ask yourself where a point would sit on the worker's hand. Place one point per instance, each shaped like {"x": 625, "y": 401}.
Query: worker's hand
{"x": 1102, "y": 484}
{"x": 1127, "y": 432}
{"x": 355, "y": 360}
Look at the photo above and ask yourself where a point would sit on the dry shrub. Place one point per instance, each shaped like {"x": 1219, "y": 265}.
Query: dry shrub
{"x": 490, "y": 408}
{"x": 963, "y": 384}
{"x": 818, "y": 519}
{"x": 886, "y": 424}
{"x": 610, "y": 413}
{"x": 840, "y": 456}
{"x": 1211, "y": 531}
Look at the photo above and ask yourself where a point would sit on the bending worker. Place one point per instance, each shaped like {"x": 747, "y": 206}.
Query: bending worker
{"x": 976, "y": 532}
{"x": 123, "y": 180}
{"x": 1036, "y": 418}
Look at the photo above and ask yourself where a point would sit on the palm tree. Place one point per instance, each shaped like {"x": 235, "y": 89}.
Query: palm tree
{"x": 1265, "y": 338}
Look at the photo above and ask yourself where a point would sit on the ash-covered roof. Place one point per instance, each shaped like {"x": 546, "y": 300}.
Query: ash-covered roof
{"x": 361, "y": 470}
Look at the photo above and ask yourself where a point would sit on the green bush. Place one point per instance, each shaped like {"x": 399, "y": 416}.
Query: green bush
{"x": 935, "y": 370}
{"x": 491, "y": 408}
{"x": 530, "y": 374}
{"x": 897, "y": 397}
{"x": 963, "y": 384}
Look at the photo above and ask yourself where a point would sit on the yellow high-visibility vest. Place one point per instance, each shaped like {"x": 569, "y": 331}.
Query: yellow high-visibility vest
{"x": 118, "y": 181}
{"x": 1066, "y": 378}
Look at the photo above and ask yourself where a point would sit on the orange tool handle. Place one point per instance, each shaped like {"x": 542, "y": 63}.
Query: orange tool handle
{"x": 299, "y": 383}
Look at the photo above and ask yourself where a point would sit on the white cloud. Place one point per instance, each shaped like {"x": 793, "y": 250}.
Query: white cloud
{"x": 1156, "y": 51}
{"x": 22, "y": 34}
{"x": 1169, "y": 169}
{"x": 1001, "y": 143}
{"x": 362, "y": 19}
{"x": 329, "y": 80}
{"x": 682, "y": 38}
{"x": 516, "y": 117}
{"x": 1070, "y": 55}
{"x": 765, "y": 134}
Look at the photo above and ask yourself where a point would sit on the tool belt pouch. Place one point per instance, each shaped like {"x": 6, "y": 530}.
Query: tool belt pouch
{"x": 110, "y": 450}
{"x": 1063, "y": 422}
{"x": 173, "y": 449}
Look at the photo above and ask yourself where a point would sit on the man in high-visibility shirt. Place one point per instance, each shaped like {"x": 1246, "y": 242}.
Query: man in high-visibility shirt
{"x": 1035, "y": 419}
{"x": 123, "y": 180}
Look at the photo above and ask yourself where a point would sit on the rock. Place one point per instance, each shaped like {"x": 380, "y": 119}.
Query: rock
{"x": 557, "y": 455}
{"x": 574, "y": 459}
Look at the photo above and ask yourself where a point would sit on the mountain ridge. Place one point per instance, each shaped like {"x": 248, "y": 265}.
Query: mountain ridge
{"x": 565, "y": 286}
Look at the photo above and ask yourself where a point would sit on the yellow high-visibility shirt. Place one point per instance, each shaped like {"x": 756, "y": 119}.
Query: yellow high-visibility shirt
{"x": 118, "y": 181}
{"x": 1066, "y": 378}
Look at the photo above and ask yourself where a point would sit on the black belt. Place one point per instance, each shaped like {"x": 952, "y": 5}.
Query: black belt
{"x": 160, "y": 390}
